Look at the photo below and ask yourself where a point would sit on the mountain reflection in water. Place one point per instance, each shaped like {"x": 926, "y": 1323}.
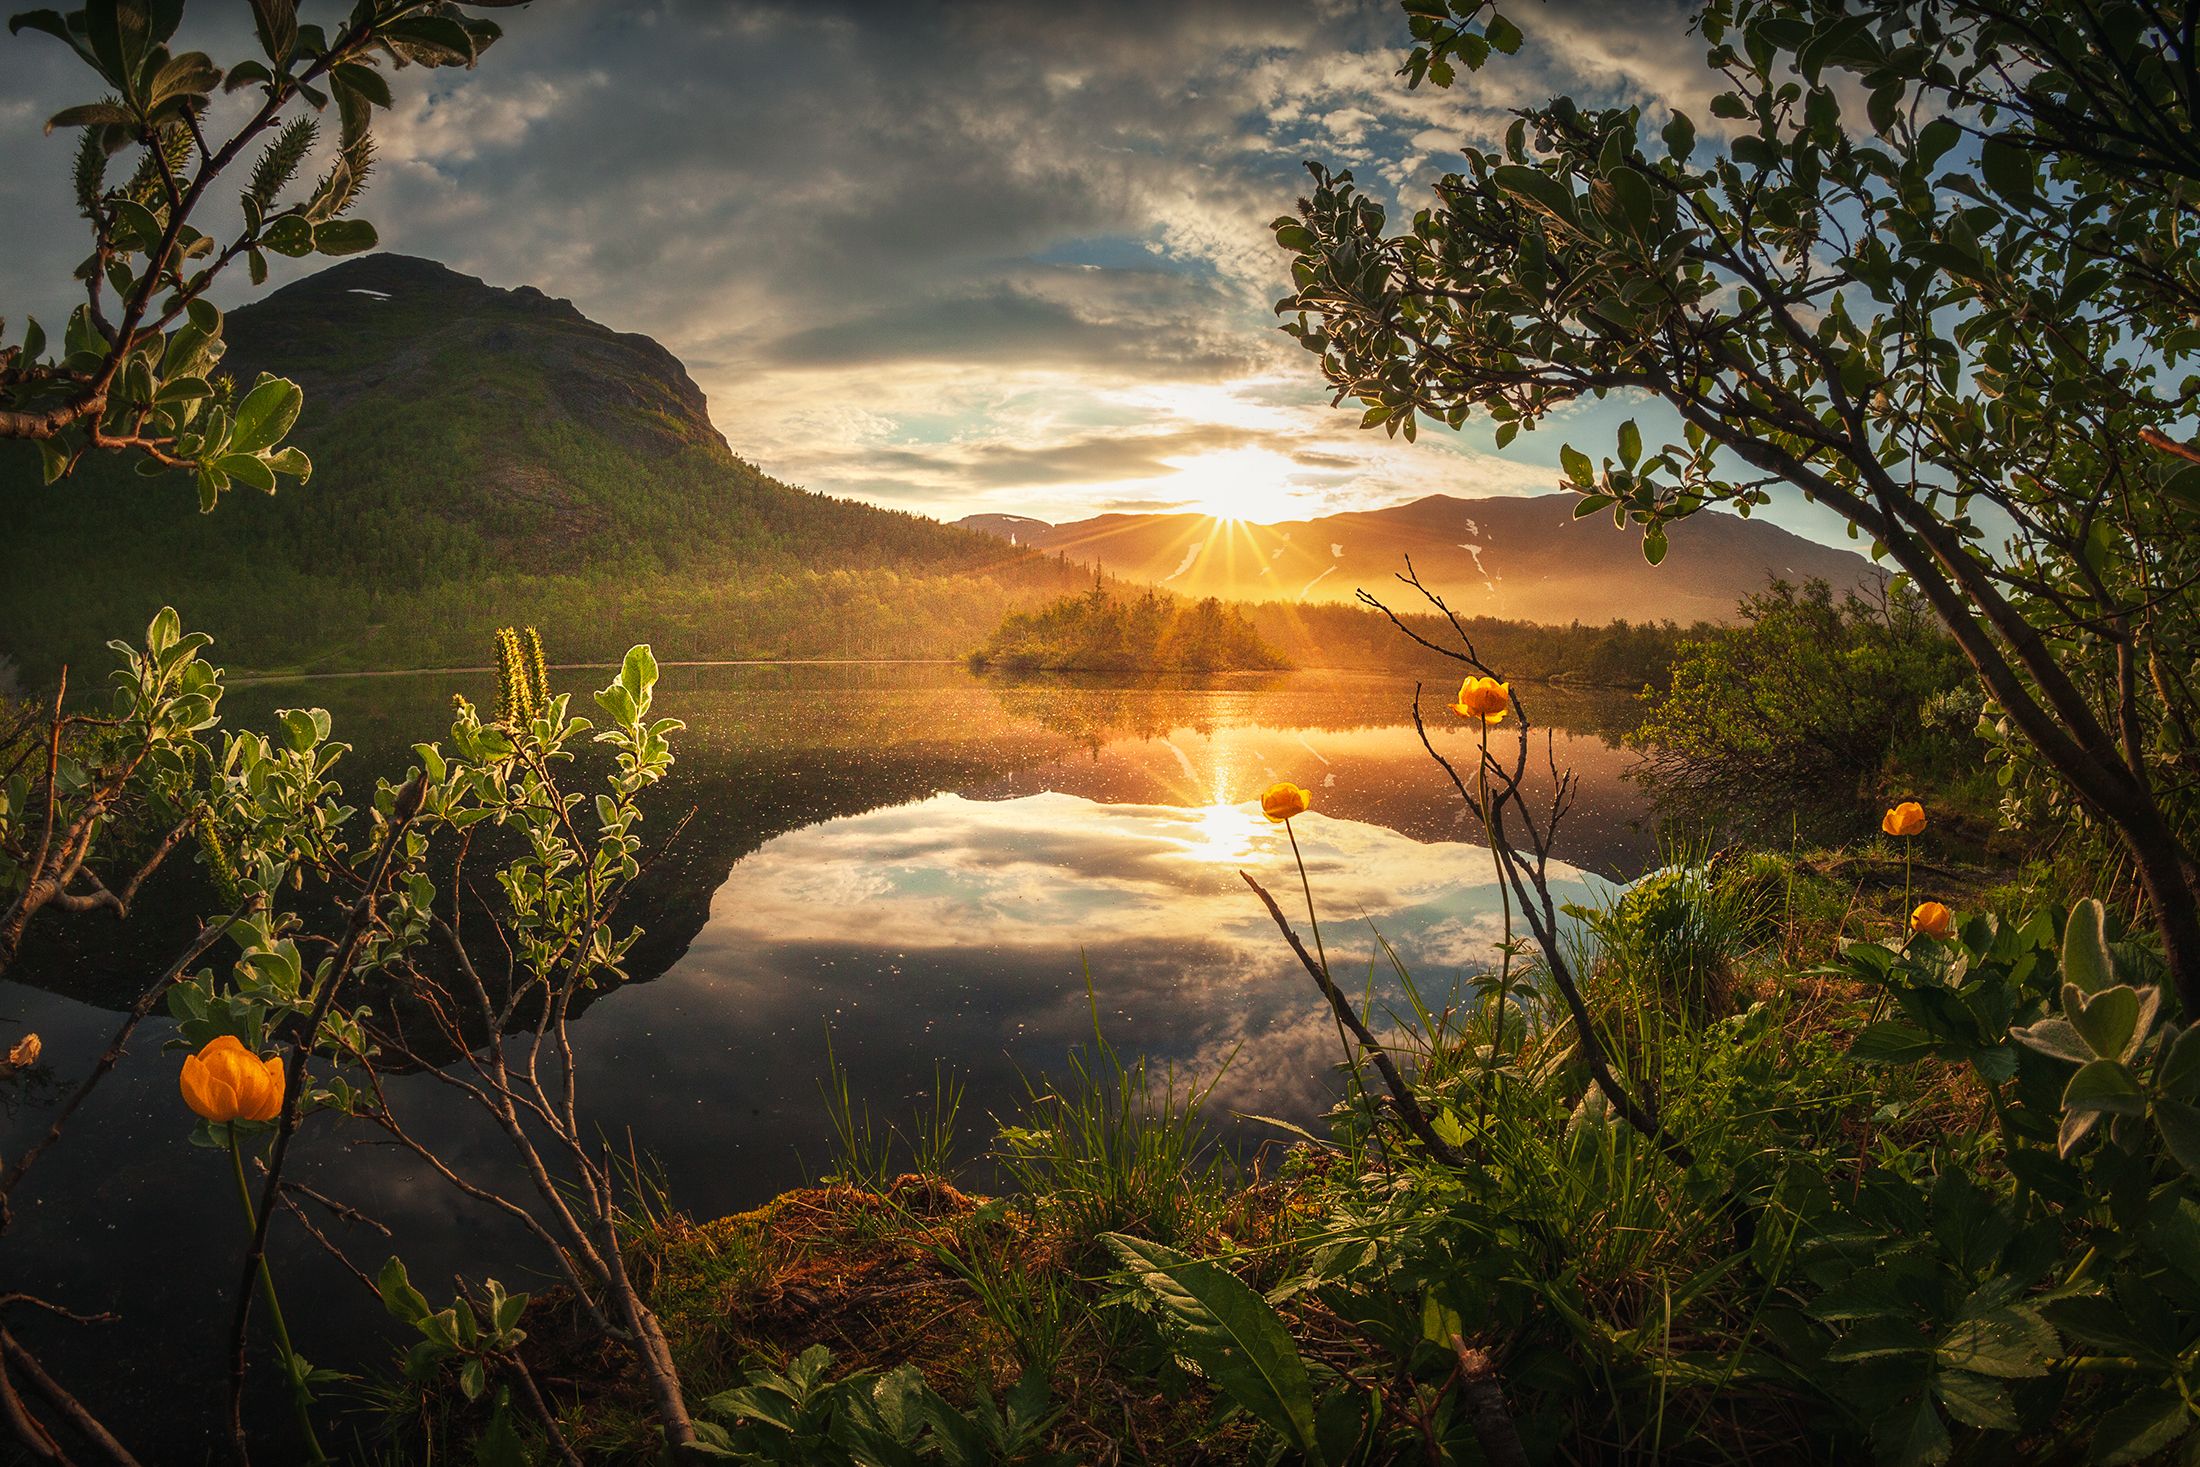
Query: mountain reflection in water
{"x": 924, "y": 863}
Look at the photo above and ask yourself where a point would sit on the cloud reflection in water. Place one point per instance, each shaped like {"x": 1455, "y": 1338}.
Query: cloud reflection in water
{"x": 959, "y": 930}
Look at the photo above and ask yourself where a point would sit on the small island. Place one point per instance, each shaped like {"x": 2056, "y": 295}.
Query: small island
{"x": 1098, "y": 631}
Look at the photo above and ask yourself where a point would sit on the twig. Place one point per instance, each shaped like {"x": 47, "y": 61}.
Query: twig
{"x": 328, "y": 1246}
{"x": 72, "y": 1410}
{"x": 543, "y": 1413}
{"x": 1401, "y": 1095}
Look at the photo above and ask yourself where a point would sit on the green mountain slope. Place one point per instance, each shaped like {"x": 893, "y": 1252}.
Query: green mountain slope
{"x": 485, "y": 456}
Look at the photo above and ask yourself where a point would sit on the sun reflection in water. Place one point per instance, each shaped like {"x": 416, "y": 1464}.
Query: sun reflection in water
{"x": 1222, "y": 834}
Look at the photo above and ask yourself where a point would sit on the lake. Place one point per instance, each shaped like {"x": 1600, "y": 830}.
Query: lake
{"x": 908, "y": 867}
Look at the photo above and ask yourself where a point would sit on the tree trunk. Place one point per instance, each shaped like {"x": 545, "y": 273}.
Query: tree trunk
{"x": 2173, "y": 890}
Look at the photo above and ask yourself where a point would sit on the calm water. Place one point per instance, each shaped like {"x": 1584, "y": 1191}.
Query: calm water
{"x": 914, "y": 866}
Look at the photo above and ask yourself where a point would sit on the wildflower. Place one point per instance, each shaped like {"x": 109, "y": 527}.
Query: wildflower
{"x": 227, "y": 1082}
{"x": 1286, "y": 800}
{"x": 1931, "y": 919}
{"x": 1483, "y": 697}
{"x": 1905, "y": 819}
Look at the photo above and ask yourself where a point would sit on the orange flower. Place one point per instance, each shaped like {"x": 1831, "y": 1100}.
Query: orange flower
{"x": 1931, "y": 919}
{"x": 1905, "y": 819}
{"x": 227, "y": 1082}
{"x": 1286, "y": 800}
{"x": 1483, "y": 697}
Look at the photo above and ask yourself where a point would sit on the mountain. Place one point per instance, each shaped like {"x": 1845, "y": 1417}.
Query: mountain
{"x": 484, "y": 456}
{"x": 1526, "y": 559}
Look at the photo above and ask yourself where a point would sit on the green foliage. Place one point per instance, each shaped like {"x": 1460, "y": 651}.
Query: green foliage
{"x": 1230, "y": 1333}
{"x": 1808, "y": 703}
{"x": 1100, "y": 632}
{"x": 145, "y": 380}
{"x": 476, "y": 1339}
{"x": 1671, "y": 940}
{"x": 868, "y": 1419}
{"x": 1110, "y": 1147}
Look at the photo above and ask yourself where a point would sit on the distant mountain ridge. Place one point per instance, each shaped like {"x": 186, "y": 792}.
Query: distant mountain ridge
{"x": 1527, "y": 559}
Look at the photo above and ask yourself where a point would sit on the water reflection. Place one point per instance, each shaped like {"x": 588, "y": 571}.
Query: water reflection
{"x": 964, "y": 930}
{"x": 926, "y": 863}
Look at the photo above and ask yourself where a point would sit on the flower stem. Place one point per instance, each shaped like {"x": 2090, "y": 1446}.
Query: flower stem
{"x": 1504, "y": 898}
{"x": 301, "y": 1396}
{"x": 1351, "y": 1052}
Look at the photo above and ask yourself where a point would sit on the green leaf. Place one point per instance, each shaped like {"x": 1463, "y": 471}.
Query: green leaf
{"x": 1230, "y": 1333}
{"x": 398, "y": 1295}
{"x": 1630, "y": 443}
{"x": 1891, "y": 1042}
{"x": 1975, "y": 1400}
{"x": 344, "y": 237}
{"x": 2085, "y": 956}
{"x": 2013, "y": 1343}
{"x": 1578, "y": 468}
{"x": 265, "y": 415}
{"x": 2108, "y": 1021}
{"x": 2055, "y": 1037}
{"x": 638, "y": 675}
{"x": 1935, "y": 139}
{"x": 1680, "y": 137}
{"x": 289, "y": 235}
{"x": 2179, "y": 1125}
{"x": 135, "y": 227}
{"x": 1921, "y": 1439}
{"x": 2180, "y": 1072}
{"x": 1502, "y": 34}
{"x": 1654, "y": 544}
{"x": 248, "y": 470}
{"x": 2007, "y": 168}
{"x": 367, "y": 81}
{"x": 1536, "y": 187}
{"x": 431, "y": 40}
{"x": 2105, "y": 1085}
{"x": 2139, "y": 1428}
{"x": 276, "y": 22}
{"x": 92, "y": 114}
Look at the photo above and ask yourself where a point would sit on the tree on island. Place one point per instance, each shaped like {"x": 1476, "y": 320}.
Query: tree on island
{"x": 1098, "y": 631}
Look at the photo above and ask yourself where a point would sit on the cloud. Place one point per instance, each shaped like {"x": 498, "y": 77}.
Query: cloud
{"x": 955, "y": 256}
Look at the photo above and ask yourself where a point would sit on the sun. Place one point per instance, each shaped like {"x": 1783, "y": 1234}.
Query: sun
{"x": 1238, "y": 485}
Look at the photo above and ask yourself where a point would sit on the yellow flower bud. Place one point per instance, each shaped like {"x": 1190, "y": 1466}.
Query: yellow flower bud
{"x": 1931, "y": 919}
{"x": 1282, "y": 801}
{"x": 1483, "y": 697}
{"x": 1905, "y": 819}
{"x": 227, "y": 1082}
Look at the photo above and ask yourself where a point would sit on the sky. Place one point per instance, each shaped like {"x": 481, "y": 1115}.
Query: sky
{"x": 947, "y": 257}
